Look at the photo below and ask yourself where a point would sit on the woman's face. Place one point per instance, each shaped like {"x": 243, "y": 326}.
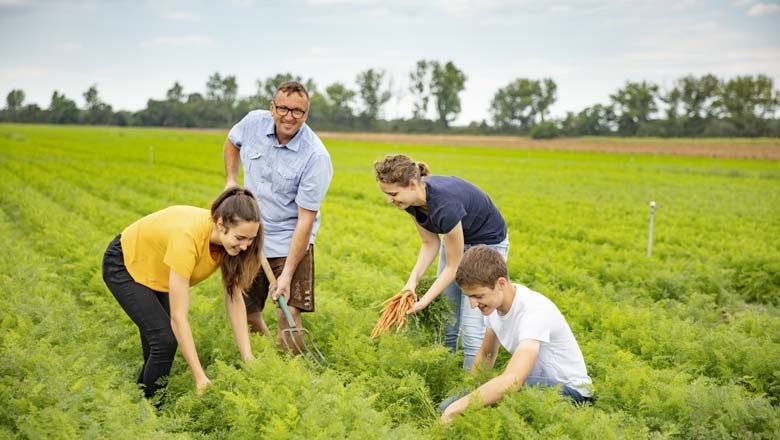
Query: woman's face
{"x": 401, "y": 196}
{"x": 238, "y": 238}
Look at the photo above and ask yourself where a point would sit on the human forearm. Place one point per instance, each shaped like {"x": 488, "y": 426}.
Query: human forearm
{"x": 298, "y": 246}
{"x": 428, "y": 251}
{"x": 453, "y": 253}
{"x": 232, "y": 159}
{"x": 487, "y": 394}
{"x": 445, "y": 278}
{"x": 514, "y": 375}
{"x": 183, "y": 332}
{"x": 486, "y": 357}
{"x": 236, "y": 311}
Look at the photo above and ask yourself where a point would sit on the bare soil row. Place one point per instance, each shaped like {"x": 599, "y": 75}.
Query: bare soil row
{"x": 722, "y": 148}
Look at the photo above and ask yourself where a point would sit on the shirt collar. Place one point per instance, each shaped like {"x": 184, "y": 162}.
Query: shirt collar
{"x": 294, "y": 144}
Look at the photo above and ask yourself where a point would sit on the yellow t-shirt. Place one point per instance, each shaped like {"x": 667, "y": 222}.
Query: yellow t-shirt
{"x": 174, "y": 238}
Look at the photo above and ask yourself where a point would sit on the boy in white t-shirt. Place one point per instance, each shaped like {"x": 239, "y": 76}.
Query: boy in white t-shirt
{"x": 527, "y": 324}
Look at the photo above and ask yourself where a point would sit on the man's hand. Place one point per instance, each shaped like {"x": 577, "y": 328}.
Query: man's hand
{"x": 282, "y": 287}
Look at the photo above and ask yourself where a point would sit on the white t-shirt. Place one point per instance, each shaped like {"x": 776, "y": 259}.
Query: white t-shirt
{"x": 533, "y": 316}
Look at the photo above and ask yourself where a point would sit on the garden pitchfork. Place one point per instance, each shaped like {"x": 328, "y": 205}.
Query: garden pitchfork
{"x": 295, "y": 339}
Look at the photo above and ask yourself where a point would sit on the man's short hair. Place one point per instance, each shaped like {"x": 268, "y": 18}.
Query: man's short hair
{"x": 481, "y": 266}
{"x": 290, "y": 87}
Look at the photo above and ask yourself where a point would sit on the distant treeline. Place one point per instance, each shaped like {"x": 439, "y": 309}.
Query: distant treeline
{"x": 692, "y": 107}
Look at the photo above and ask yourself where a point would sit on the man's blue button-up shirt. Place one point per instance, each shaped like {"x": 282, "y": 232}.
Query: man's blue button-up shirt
{"x": 282, "y": 177}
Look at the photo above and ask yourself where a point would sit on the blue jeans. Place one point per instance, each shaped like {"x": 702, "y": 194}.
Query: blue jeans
{"x": 466, "y": 320}
{"x": 531, "y": 381}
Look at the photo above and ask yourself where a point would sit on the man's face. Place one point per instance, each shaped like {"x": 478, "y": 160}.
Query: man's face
{"x": 287, "y": 125}
{"x": 484, "y": 298}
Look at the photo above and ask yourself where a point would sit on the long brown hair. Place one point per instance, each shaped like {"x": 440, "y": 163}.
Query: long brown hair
{"x": 233, "y": 206}
{"x": 400, "y": 170}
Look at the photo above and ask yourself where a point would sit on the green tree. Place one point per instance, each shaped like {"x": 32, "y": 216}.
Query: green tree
{"x": 634, "y": 104}
{"x": 372, "y": 94}
{"x": 545, "y": 98}
{"x": 446, "y": 84}
{"x": 334, "y": 109}
{"x": 673, "y": 124}
{"x": 420, "y": 79}
{"x": 175, "y": 93}
{"x": 597, "y": 120}
{"x": 341, "y": 98}
{"x": 748, "y": 102}
{"x": 519, "y": 103}
{"x": 223, "y": 93}
{"x": 697, "y": 98}
{"x": 63, "y": 110}
{"x": 14, "y": 100}
{"x": 97, "y": 111}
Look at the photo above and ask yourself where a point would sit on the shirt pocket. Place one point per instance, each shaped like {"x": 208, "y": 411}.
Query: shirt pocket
{"x": 256, "y": 166}
{"x": 285, "y": 184}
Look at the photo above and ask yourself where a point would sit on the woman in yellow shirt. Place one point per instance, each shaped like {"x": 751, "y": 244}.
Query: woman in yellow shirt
{"x": 151, "y": 265}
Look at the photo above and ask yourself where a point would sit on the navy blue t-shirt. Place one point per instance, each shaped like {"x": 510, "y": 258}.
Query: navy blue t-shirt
{"x": 451, "y": 200}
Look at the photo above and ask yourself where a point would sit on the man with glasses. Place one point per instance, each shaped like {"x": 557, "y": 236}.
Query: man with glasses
{"x": 289, "y": 170}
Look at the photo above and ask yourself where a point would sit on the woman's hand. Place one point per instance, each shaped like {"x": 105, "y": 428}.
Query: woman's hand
{"x": 201, "y": 384}
{"x": 418, "y": 305}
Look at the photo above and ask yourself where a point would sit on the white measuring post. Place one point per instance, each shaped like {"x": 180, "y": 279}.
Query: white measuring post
{"x": 650, "y": 230}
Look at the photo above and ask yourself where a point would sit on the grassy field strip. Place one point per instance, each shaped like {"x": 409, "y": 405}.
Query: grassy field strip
{"x": 681, "y": 345}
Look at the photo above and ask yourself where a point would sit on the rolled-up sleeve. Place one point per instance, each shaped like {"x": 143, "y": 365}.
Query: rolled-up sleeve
{"x": 314, "y": 182}
{"x": 236, "y": 135}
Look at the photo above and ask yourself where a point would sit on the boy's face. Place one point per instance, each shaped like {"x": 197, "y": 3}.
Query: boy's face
{"x": 484, "y": 298}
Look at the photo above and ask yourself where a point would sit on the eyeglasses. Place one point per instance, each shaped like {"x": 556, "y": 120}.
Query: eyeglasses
{"x": 282, "y": 111}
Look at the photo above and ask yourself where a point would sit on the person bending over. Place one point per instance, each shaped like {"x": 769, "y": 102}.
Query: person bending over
{"x": 151, "y": 265}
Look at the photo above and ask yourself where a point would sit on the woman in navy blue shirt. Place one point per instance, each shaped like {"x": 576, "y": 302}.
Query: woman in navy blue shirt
{"x": 464, "y": 216}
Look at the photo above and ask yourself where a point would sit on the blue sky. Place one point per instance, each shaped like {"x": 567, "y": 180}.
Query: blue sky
{"x": 135, "y": 50}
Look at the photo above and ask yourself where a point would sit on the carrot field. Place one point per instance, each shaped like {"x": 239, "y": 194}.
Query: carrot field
{"x": 682, "y": 344}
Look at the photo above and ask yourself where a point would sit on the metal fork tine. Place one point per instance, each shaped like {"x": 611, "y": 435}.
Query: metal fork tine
{"x": 309, "y": 351}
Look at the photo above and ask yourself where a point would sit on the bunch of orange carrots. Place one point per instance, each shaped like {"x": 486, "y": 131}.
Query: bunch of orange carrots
{"x": 394, "y": 313}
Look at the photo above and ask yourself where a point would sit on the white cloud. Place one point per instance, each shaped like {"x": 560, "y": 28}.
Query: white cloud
{"x": 243, "y": 3}
{"x": 185, "y": 16}
{"x": 14, "y": 2}
{"x": 17, "y": 73}
{"x": 182, "y": 42}
{"x": 757, "y": 8}
{"x": 70, "y": 46}
{"x": 763, "y": 9}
